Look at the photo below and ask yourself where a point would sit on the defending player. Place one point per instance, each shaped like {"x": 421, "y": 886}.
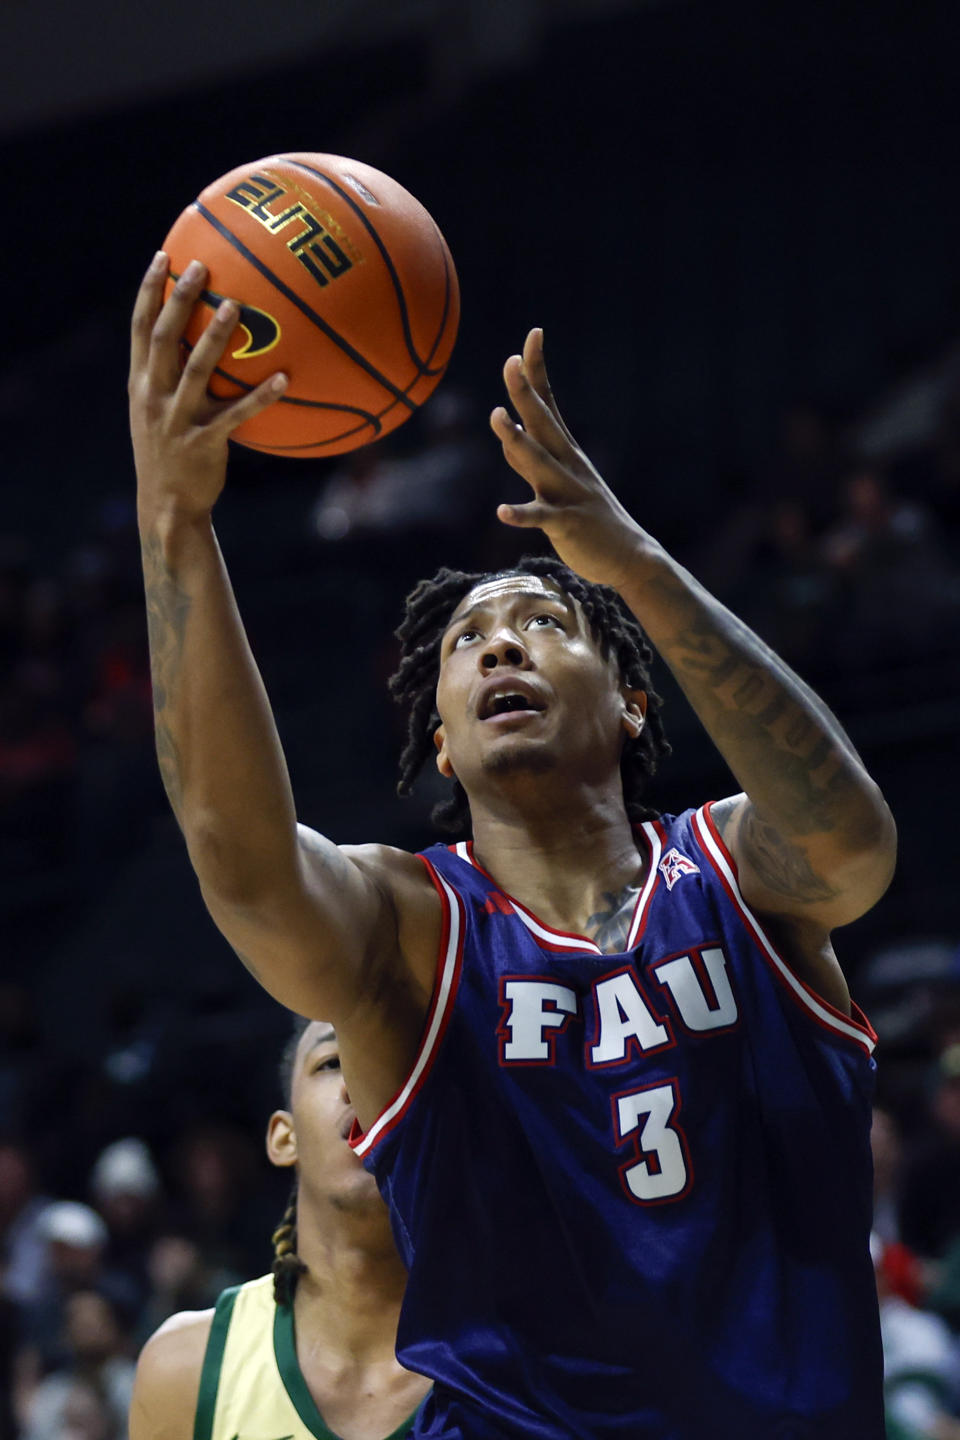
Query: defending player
{"x": 307, "y": 1351}
{"x": 607, "y": 1073}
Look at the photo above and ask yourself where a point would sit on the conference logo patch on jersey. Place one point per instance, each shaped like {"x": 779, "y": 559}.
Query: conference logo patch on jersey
{"x": 673, "y": 865}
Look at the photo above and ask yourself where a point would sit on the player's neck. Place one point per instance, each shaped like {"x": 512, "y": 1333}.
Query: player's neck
{"x": 564, "y": 866}
{"x": 350, "y": 1295}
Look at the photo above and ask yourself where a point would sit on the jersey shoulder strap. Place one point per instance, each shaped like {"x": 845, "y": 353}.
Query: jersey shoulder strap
{"x": 212, "y": 1363}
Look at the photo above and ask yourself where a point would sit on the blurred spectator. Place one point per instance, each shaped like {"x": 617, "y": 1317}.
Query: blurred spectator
{"x": 85, "y": 1414}
{"x": 887, "y": 1163}
{"x": 903, "y": 1273}
{"x": 76, "y": 1242}
{"x": 74, "y": 1239}
{"x": 921, "y": 1366}
{"x": 899, "y": 592}
{"x": 373, "y": 493}
{"x": 930, "y": 1211}
{"x": 97, "y": 1351}
{"x": 120, "y": 706}
{"x": 215, "y": 1166}
{"x": 807, "y": 464}
{"x": 783, "y": 588}
{"x": 23, "y": 1246}
{"x": 38, "y": 753}
{"x": 125, "y": 1187}
{"x": 180, "y": 1279}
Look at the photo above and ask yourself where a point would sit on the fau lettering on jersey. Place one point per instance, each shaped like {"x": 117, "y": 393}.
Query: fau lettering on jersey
{"x": 633, "y": 1191}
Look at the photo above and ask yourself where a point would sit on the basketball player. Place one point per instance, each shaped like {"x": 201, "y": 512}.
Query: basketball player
{"x": 604, "y": 1063}
{"x": 309, "y": 1350}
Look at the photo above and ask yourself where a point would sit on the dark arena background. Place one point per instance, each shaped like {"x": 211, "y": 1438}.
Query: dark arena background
{"x": 739, "y": 226}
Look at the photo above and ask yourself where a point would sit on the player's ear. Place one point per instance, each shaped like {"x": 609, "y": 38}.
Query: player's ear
{"x": 634, "y": 712}
{"x": 281, "y": 1139}
{"x": 443, "y": 759}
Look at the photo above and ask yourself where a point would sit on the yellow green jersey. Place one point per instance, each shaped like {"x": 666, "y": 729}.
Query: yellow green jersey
{"x": 251, "y": 1386}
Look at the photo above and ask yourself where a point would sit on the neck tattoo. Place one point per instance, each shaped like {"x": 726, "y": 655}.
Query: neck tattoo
{"x": 609, "y": 927}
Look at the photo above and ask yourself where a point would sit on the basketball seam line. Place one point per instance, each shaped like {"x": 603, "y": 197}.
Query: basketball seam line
{"x": 302, "y": 305}
{"x": 422, "y": 365}
{"x": 372, "y": 418}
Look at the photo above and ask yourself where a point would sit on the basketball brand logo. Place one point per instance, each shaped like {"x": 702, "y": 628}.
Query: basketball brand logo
{"x": 673, "y": 865}
{"x": 311, "y": 242}
{"x": 262, "y": 330}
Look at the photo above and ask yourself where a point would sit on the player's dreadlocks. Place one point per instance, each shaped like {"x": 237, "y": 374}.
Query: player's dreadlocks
{"x": 287, "y": 1265}
{"x": 428, "y": 609}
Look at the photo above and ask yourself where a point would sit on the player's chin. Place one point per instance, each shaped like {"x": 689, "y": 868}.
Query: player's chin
{"x": 355, "y": 1191}
{"x": 516, "y": 755}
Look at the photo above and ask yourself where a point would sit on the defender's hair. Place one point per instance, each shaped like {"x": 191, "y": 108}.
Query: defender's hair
{"x": 287, "y": 1265}
{"x": 289, "y": 1057}
{"x": 428, "y": 609}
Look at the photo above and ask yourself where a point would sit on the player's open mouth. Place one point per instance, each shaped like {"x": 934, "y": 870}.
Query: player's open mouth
{"x": 511, "y": 705}
{"x": 509, "y": 698}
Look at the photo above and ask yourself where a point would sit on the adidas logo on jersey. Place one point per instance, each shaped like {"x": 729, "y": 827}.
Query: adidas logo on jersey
{"x": 673, "y": 865}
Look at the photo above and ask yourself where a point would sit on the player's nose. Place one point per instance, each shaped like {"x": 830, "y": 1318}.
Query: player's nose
{"x": 504, "y": 648}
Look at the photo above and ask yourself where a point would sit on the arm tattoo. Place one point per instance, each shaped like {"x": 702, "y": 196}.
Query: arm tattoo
{"x": 608, "y": 928}
{"x": 754, "y": 705}
{"x": 168, "y": 606}
{"x": 783, "y": 868}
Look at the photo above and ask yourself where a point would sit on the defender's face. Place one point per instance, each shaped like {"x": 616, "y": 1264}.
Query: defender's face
{"x": 313, "y": 1134}
{"x": 523, "y": 686}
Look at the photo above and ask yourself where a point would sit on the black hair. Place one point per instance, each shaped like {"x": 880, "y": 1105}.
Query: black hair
{"x": 414, "y": 684}
{"x": 287, "y": 1265}
{"x": 288, "y": 1058}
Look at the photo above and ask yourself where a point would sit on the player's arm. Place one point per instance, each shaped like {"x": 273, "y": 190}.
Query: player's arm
{"x": 167, "y": 1381}
{"x": 813, "y": 837}
{"x": 307, "y": 918}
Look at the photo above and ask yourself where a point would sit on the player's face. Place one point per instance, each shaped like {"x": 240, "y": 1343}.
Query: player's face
{"x": 523, "y": 686}
{"x": 313, "y": 1134}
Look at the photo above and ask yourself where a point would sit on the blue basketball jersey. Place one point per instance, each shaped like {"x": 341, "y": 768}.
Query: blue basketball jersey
{"x": 633, "y": 1191}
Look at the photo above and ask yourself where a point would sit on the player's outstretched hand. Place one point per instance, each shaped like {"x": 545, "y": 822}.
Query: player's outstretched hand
{"x": 583, "y": 519}
{"x": 179, "y": 432}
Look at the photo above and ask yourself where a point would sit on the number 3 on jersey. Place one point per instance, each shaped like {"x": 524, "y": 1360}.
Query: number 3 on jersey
{"x": 660, "y": 1169}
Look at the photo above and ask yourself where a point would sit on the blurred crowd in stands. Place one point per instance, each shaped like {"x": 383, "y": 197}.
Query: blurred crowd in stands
{"x": 844, "y": 550}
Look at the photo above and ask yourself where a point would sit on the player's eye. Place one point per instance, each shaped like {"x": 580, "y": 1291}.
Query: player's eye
{"x": 544, "y": 621}
{"x": 332, "y": 1062}
{"x": 465, "y": 635}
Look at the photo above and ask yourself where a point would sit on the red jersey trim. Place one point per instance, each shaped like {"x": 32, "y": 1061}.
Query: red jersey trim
{"x": 826, "y": 1015}
{"x": 560, "y": 940}
{"x": 449, "y": 964}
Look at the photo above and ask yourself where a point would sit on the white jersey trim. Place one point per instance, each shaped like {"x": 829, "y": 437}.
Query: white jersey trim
{"x": 556, "y": 939}
{"x": 655, "y": 845}
{"x": 566, "y": 940}
{"x": 443, "y": 1003}
{"x": 824, "y": 1013}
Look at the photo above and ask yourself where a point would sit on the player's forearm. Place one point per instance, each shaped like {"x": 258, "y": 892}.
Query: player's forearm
{"x": 786, "y": 749}
{"x": 217, "y": 745}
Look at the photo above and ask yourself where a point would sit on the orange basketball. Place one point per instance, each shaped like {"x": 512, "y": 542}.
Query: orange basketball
{"x": 345, "y": 283}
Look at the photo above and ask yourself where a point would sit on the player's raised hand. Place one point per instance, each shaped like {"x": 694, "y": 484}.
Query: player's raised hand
{"x": 579, "y": 513}
{"x": 179, "y": 432}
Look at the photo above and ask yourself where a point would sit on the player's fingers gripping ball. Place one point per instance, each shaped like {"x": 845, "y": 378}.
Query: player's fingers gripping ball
{"x": 345, "y": 283}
